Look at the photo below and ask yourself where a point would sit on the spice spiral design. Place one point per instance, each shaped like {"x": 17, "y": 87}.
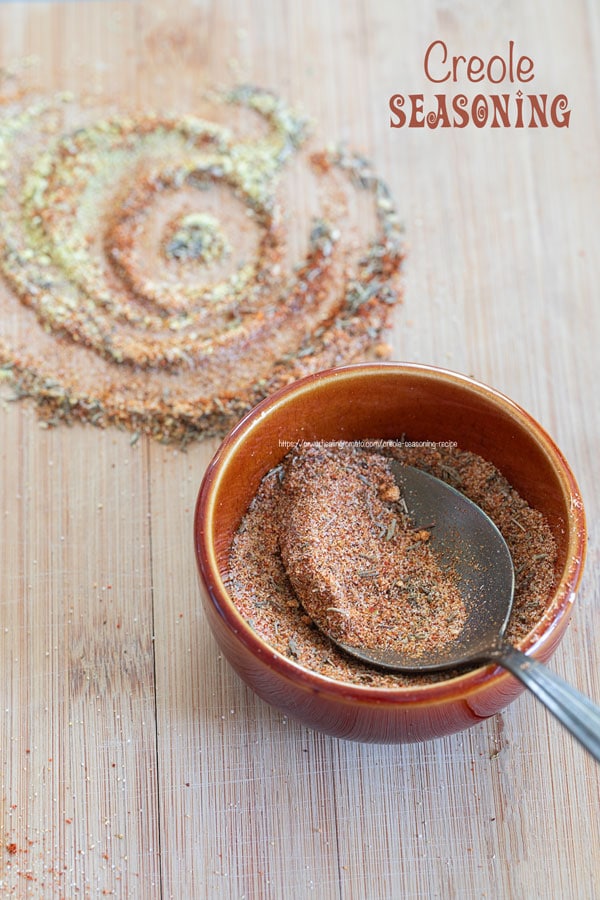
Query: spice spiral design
{"x": 151, "y": 269}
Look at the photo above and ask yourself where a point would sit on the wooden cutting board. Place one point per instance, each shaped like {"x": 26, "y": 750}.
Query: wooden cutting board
{"x": 133, "y": 762}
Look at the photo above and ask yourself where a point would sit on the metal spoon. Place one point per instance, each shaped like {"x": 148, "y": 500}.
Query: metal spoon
{"x": 466, "y": 538}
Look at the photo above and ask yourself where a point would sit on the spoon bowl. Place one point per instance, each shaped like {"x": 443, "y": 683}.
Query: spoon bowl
{"x": 466, "y": 541}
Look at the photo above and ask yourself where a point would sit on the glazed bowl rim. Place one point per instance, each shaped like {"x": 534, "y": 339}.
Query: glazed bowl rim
{"x": 452, "y": 688}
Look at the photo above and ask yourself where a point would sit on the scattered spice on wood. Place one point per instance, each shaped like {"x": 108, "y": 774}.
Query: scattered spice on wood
{"x": 317, "y": 545}
{"x": 153, "y": 276}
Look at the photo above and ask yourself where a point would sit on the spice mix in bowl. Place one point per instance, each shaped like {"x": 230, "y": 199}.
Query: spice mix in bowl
{"x": 298, "y": 518}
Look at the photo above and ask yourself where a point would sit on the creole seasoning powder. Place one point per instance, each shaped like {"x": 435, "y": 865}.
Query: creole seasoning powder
{"x": 154, "y": 271}
{"x": 359, "y": 567}
{"x": 326, "y": 540}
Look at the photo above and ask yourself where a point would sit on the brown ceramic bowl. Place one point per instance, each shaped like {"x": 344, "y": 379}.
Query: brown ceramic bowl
{"x": 383, "y": 401}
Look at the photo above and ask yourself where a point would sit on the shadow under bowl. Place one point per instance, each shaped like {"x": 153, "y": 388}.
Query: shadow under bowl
{"x": 384, "y": 401}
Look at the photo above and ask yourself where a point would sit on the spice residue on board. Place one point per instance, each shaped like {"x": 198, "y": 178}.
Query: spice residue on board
{"x": 326, "y": 540}
{"x": 166, "y": 270}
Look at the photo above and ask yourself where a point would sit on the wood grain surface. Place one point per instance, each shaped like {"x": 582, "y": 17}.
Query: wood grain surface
{"x": 133, "y": 762}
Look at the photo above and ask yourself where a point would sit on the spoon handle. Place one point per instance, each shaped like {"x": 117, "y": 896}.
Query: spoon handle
{"x": 577, "y": 713}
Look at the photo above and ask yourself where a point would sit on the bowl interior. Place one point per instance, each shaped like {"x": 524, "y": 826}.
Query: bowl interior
{"x": 389, "y": 402}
